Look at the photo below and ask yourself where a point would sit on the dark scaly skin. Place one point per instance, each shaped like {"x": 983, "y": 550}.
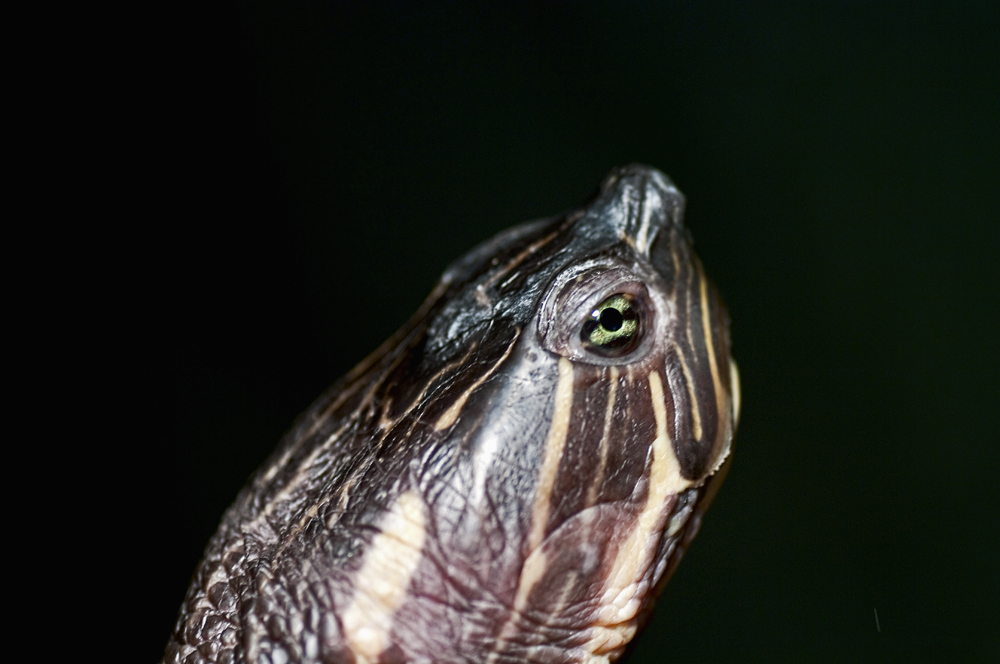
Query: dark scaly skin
{"x": 483, "y": 487}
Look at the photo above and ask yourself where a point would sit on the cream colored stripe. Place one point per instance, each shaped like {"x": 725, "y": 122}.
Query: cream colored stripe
{"x": 513, "y": 263}
{"x": 562, "y": 408}
{"x": 720, "y": 394}
{"x": 642, "y": 237}
{"x": 382, "y": 584}
{"x": 599, "y": 474}
{"x": 695, "y": 410}
{"x": 627, "y": 585}
{"x": 386, "y": 423}
{"x": 665, "y": 474}
{"x": 449, "y": 416}
{"x": 734, "y": 382}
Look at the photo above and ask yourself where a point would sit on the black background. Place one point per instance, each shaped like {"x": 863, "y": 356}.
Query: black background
{"x": 308, "y": 172}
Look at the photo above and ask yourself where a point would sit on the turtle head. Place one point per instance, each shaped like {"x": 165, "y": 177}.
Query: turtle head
{"x": 511, "y": 477}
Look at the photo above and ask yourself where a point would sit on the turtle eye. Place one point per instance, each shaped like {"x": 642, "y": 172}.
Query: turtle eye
{"x": 612, "y": 329}
{"x": 598, "y": 315}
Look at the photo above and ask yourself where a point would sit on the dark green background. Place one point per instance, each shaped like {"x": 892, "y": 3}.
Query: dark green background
{"x": 313, "y": 170}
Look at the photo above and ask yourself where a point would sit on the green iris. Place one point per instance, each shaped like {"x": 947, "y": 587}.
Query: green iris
{"x": 613, "y": 327}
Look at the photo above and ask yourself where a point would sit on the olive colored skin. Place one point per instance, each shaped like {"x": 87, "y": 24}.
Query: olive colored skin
{"x": 510, "y": 478}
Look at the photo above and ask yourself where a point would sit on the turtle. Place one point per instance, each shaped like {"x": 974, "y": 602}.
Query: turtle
{"x": 511, "y": 477}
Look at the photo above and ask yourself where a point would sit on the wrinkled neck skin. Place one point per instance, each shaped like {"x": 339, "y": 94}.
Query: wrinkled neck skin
{"x": 484, "y": 488}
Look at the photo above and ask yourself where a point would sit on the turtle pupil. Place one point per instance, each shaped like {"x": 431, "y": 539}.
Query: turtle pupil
{"x": 613, "y": 327}
{"x": 611, "y": 319}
